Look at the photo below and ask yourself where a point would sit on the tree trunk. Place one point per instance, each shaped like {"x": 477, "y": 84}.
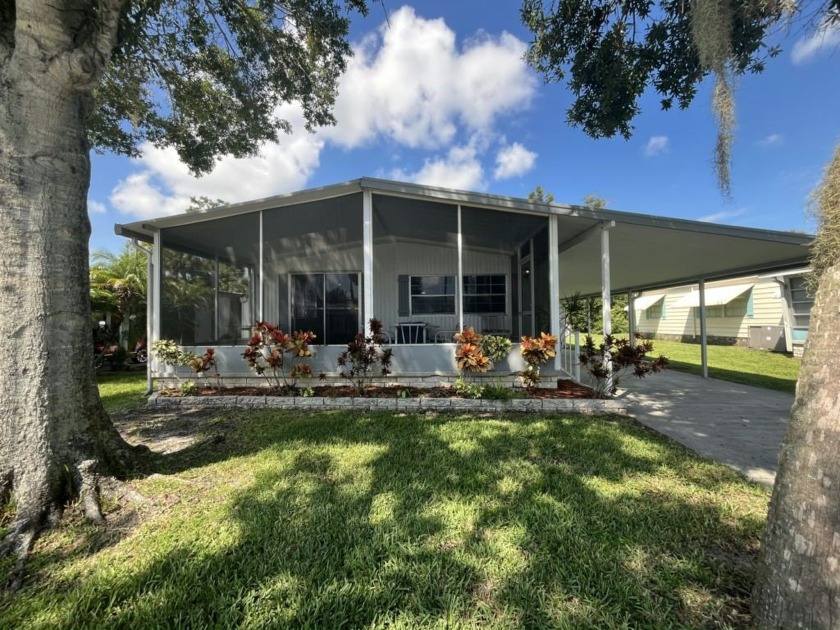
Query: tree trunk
{"x": 798, "y": 582}
{"x": 55, "y": 438}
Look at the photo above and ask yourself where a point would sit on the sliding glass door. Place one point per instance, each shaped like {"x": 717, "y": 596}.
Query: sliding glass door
{"x": 327, "y": 304}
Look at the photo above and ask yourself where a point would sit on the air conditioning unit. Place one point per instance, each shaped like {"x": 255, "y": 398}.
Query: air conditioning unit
{"x": 768, "y": 338}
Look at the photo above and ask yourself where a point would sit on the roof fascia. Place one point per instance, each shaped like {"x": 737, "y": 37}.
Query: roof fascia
{"x": 729, "y": 275}
{"x": 687, "y": 225}
{"x": 461, "y": 197}
{"x": 236, "y": 209}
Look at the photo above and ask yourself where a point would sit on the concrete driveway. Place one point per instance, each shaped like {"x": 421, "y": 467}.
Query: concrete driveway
{"x": 737, "y": 425}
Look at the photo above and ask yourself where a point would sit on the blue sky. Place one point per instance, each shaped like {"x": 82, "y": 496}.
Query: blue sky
{"x": 441, "y": 96}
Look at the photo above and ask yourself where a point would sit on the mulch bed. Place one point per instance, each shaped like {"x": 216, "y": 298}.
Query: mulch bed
{"x": 564, "y": 389}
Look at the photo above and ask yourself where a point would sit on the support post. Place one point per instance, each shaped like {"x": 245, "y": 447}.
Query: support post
{"x": 459, "y": 281}
{"x": 554, "y": 286}
{"x": 606, "y": 301}
{"x": 262, "y": 262}
{"x": 216, "y": 299}
{"x": 367, "y": 266}
{"x": 155, "y": 283}
{"x": 704, "y": 356}
{"x": 631, "y": 317}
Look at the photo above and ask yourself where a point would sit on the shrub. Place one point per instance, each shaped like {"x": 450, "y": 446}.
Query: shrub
{"x": 203, "y": 363}
{"x": 188, "y": 388}
{"x": 495, "y": 347}
{"x": 168, "y": 352}
{"x": 536, "y": 351}
{"x": 359, "y": 361}
{"x": 468, "y": 390}
{"x": 279, "y": 356}
{"x": 498, "y": 391}
{"x": 469, "y": 357}
{"x": 626, "y": 358}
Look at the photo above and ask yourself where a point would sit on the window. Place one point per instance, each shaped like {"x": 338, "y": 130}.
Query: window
{"x": 741, "y": 306}
{"x": 800, "y": 303}
{"x": 485, "y": 294}
{"x": 432, "y": 295}
{"x": 327, "y": 304}
{"x": 655, "y": 310}
{"x": 435, "y": 295}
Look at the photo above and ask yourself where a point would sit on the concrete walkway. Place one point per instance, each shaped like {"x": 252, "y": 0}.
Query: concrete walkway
{"x": 738, "y": 425}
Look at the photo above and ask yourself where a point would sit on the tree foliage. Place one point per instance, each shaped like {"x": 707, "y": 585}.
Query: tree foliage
{"x": 207, "y": 76}
{"x": 118, "y": 281}
{"x": 608, "y": 53}
{"x": 825, "y": 205}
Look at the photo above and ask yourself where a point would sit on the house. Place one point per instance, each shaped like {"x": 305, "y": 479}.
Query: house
{"x": 769, "y": 311}
{"x": 425, "y": 261}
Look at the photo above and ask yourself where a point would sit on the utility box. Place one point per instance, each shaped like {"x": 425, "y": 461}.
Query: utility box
{"x": 768, "y": 338}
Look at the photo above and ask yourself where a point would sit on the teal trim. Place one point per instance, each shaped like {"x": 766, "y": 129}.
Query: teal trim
{"x": 664, "y": 307}
{"x": 798, "y": 334}
{"x": 750, "y": 304}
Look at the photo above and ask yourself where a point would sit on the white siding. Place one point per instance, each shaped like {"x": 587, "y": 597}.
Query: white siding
{"x": 390, "y": 260}
{"x": 768, "y": 302}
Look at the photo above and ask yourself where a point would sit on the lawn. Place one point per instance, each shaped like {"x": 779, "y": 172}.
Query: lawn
{"x": 403, "y": 521}
{"x": 122, "y": 391}
{"x": 770, "y": 370}
{"x": 760, "y": 368}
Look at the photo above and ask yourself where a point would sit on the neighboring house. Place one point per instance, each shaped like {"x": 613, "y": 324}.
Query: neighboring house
{"x": 425, "y": 261}
{"x": 770, "y": 311}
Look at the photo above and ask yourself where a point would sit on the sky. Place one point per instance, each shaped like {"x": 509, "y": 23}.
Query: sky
{"x": 438, "y": 93}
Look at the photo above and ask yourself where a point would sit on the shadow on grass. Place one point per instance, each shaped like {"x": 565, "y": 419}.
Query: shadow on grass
{"x": 734, "y": 376}
{"x": 375, "y": 520}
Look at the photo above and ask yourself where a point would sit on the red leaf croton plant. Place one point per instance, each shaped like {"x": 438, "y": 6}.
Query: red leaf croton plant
{"x": 536, "y": 351}
{"x": 278, "y": 355}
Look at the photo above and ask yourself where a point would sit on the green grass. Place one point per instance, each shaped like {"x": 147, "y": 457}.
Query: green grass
{"x": 122, "y": 391}
{"x": 770, "y": 370}
{"x": 401, "y": 521}
{"x": 760, "y": 368}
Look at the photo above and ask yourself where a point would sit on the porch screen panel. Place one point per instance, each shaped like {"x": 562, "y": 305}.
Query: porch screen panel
{"x": 187, "y": 297}
{"x": 542, "y": 304}
{"x": 494, "y": 242}
{"x": 236, "y": 302}
{"x": 415, "y": 251}
{"x": 191, "y": 314}
{"x": 313, "y": 262}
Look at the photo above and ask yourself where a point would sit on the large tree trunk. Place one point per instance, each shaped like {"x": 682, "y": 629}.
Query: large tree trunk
{"x": 55, "y": 438}
{"x": 799, "y": 572}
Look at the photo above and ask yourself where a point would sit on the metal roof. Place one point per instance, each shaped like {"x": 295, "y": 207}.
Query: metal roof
{"x": 646, "y": 251}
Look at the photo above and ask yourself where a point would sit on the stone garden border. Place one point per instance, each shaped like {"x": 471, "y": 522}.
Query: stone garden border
{"x": 317, "y": 403}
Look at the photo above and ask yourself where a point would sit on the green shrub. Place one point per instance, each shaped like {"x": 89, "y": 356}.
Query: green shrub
{"x": 625, "y": 356}
{"x": 495, "y": 347}
{"x": 188, "y": 388}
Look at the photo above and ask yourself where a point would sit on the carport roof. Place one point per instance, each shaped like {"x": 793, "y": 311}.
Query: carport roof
{"x": 646, "y": 251}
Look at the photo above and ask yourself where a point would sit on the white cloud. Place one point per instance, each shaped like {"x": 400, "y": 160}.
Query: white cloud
{"x": 513, "y": 160}
{"x": 656, "y": 145}
{"x": 409, "y": 83}
{"x": 773, "y": 140}
{"x": 408, "y": 86}
{"x": 166, "y": 185}
{"x": 723, "y": 215}
{"x": 460, "y": 169}
{"x": 826, "y": 36}
{"x": 96, "y": 207}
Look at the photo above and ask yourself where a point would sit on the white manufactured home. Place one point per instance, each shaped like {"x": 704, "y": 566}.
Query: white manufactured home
{"x": 425, "y": 261}
{"x": 768, "y": 311}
